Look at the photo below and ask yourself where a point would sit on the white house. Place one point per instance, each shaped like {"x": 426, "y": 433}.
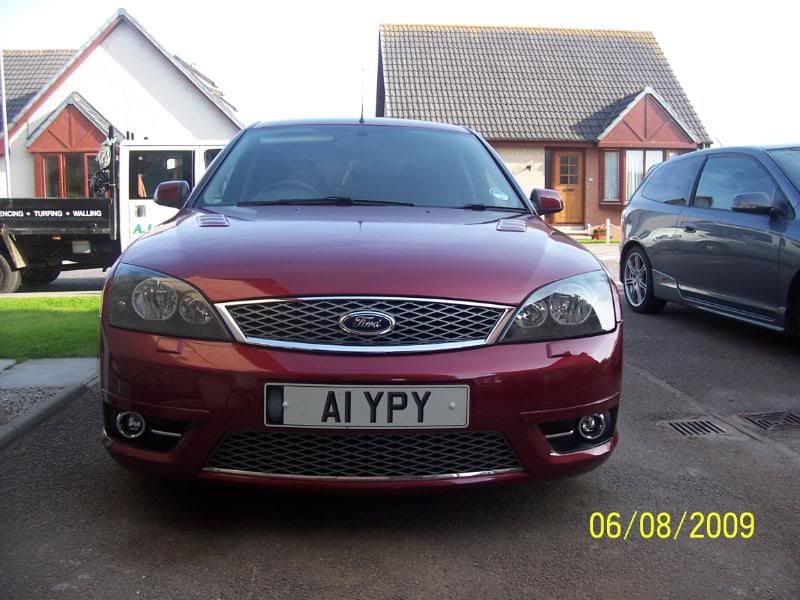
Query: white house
{"x": 61, "y": 104}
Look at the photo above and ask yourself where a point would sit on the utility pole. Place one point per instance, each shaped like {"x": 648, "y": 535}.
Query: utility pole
{"x": 7, "y": 147}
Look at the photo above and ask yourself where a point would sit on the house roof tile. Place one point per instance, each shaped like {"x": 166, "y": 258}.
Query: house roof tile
{"x": 522, "y": 83}
{"x": 27, "y": 72}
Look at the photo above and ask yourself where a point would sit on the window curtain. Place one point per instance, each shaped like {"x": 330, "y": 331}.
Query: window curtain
{"x": 634, "y": 171}
{"x": 611, "y": 176}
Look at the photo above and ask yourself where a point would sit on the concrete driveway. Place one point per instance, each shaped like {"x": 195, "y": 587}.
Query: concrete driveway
{"x": 74, "y": 525}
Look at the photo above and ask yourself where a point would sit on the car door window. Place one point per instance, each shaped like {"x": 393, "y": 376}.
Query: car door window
{"x": 672, "y": 182}
{"x": 725, "y": 177}
{"x": 148, "y": 168}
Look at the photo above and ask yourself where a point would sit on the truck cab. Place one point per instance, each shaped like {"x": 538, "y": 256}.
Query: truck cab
{"x": 142, "y": 166}
{"x": 41, "y": 237}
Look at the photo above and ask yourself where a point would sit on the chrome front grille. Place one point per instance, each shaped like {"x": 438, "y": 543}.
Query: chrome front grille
{"x": 364, "y": 455}
{"x": 420, "y": 323}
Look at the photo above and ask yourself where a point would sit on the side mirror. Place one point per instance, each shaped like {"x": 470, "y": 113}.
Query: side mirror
{"x": 752, "y": 202}
{"x": 171, "y": 194}
{"x": 546, "y": 202}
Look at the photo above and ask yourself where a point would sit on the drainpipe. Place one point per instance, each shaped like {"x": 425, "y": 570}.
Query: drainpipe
{"x": 7, "y": 153}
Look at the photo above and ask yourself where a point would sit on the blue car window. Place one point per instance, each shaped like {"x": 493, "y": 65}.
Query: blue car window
{"x": 671, "y": 183}
{"x": 724, "y": 177}
{"x": 788, "y": 160}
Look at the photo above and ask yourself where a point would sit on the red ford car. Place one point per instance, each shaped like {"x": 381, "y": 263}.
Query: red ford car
{"x": 359, "y": 305}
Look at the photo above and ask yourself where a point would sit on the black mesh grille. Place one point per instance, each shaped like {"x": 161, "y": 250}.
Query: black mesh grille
{"x": 364, "y": 454}
{"x": 317, "y": 321}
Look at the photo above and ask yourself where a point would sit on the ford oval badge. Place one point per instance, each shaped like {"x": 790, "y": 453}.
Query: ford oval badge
{"x": 367, "y": 322}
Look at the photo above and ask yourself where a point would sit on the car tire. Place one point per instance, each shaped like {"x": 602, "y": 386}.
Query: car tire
{"x": 792, "y": 329}
{"x": 9, "y": 280}
{"x": 637, "y": 283}
{"x": 39, "y": 277}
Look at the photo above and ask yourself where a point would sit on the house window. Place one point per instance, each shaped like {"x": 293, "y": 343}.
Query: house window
{"x": 634, "y": 171}
{"x": 75, "y": 180}
{"x": 66, "y": 175}
{"x": 611, "y": 176}
{"x": 652, "y": 158}
{"x": 52, "y": 176}
{"x": 624, "y": 170}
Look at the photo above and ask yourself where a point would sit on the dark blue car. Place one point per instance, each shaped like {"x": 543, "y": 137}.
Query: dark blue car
{"x": 718, "y": 230}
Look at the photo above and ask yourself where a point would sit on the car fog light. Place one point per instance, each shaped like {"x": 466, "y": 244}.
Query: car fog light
{"x": 594, "y": 426}
{"x": 131, "y": 425}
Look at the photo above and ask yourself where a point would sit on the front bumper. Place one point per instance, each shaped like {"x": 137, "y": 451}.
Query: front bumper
{"x": 213, "y": 388}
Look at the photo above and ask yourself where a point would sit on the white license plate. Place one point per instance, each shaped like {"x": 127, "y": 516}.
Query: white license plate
{"x": 364, "y": 407}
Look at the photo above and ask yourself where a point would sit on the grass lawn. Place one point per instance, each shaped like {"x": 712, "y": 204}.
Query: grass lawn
{"x": 49, "y": 327}
{"x": 603, "y": 241}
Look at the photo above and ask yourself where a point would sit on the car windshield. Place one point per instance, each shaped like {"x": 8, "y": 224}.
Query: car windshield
{"x": 360, "y": 163}
{"x": 788, "y": 160}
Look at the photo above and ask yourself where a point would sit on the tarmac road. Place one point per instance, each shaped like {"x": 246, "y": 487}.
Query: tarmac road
{"x": 74, "y": 525}
{"x": 86, "y": 280}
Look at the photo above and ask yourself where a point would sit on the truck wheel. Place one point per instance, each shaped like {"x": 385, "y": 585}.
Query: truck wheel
{"x": 39, "y": 277}
{"x": 9, "y": 280}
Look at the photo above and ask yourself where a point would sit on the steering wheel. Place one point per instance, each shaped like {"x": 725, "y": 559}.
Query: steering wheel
{"x": 291, "y": 183}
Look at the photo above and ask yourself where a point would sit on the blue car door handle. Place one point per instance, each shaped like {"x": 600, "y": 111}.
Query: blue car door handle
{"x": 689, "y": 227}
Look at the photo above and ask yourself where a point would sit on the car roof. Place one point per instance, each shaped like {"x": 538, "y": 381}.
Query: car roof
{"x": 746, "y": 149}
{"x": 377, "y": 121}
{"x": 774, "y": 146}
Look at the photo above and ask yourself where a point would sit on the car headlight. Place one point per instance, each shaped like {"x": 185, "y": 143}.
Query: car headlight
{"x": 153, "y": 302}
{"x": 575, "y": 307}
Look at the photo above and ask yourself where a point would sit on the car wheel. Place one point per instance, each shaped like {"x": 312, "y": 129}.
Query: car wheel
{"x": 637, "y": 281}
{"x": 39, "y": 277}
{"x": 9, "y": 280}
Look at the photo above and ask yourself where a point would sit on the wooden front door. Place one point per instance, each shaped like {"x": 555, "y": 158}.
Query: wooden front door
{"x": 568, "y": 181}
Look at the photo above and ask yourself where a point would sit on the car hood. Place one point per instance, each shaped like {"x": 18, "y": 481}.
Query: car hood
{"x": 274, "y": 251}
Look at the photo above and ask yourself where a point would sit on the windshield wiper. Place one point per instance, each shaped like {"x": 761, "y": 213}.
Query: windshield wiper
{"x": 335, "y": 200}
{"x": 481, "y": 206}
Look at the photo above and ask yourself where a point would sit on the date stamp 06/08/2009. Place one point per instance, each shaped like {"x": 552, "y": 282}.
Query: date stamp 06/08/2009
{"x": 694, "y": 525}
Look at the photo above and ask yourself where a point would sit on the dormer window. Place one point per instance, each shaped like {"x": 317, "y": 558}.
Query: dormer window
{"x": 65, "y": 175}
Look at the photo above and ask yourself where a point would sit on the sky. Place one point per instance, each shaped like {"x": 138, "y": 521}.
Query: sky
{"x": 273, "y": 60}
